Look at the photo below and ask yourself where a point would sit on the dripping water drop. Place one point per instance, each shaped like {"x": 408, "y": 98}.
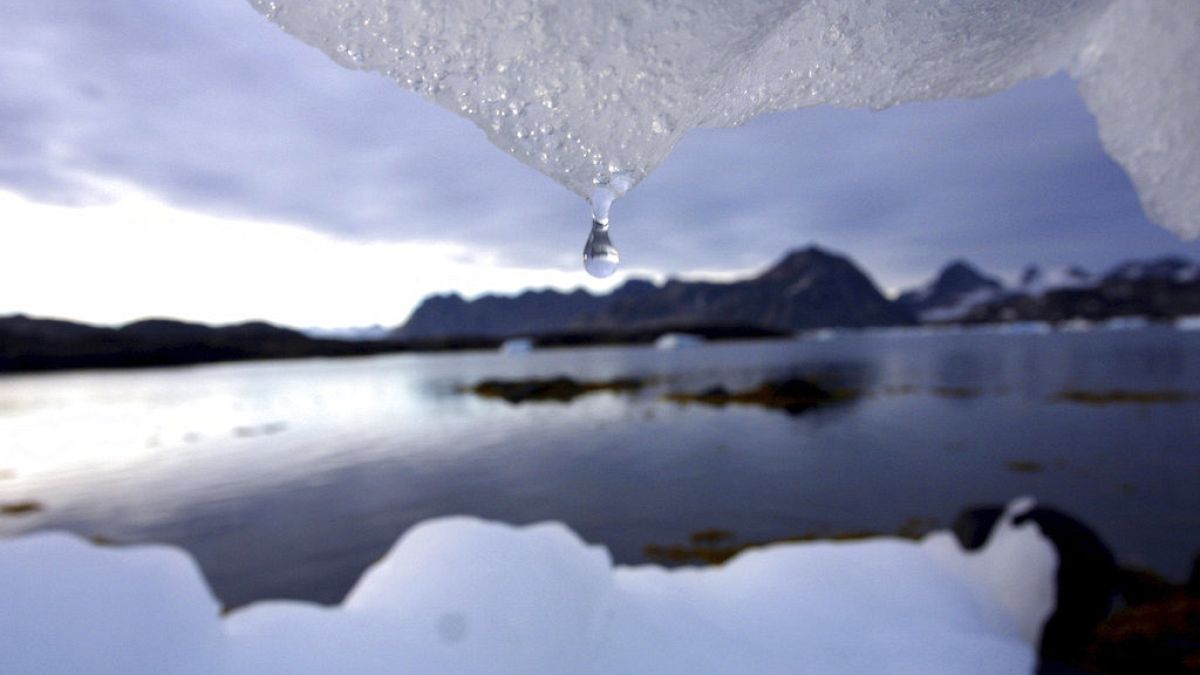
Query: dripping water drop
{"x": 600, "y": 257}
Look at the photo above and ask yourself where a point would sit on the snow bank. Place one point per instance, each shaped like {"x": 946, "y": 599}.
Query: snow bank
{"x": 584, "y": 91}
{"x": 464, "y": 595}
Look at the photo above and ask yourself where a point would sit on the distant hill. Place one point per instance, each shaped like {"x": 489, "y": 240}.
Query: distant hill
{"x": 29, "y": 344}
{"x": 809, "y": 288}
{"x": 957, "y": 289}
{"x": 530, "y": 313}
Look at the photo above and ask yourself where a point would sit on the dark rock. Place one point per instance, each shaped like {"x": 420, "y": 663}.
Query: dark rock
{"x": 1086, "y": 584}
{"x": 974, "y": 525}
{"x": 1086, "y": 580}
{"x": 560, "y": 389}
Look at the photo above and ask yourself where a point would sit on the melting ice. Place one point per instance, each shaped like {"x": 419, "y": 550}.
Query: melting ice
{"x": 584, "y": 91}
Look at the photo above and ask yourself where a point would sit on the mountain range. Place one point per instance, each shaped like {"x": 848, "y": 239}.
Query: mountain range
{"x": 807, "y": 289}
{"x": 813, "y": 288}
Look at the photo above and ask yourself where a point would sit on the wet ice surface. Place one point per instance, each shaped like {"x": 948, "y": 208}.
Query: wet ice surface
{"x": 583, "y": 91}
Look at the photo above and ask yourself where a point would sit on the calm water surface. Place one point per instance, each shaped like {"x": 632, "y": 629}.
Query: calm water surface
{"x": 286, "y": 479}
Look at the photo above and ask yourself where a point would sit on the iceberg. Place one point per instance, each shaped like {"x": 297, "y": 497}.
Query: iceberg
{"x": 460, "y": 594}
{"x": 592, "y": 92}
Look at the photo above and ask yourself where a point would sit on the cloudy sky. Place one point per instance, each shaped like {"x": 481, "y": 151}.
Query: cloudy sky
{"x": 188, "y": 159}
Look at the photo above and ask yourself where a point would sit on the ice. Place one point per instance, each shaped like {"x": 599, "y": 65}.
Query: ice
{"x": 585, "y": 91}
{"x": 465, "y": 595}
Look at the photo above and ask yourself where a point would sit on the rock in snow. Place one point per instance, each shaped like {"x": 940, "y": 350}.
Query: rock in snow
{"x": 464, "y": 595}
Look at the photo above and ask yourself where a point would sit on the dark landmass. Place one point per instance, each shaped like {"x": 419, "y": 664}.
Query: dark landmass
{"x": 31, "y": 345}
{"x": 558, "y": 389}
{"x": 28, "y": 344}
{"x": 807, "y": 289}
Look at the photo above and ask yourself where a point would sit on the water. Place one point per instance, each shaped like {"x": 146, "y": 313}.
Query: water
{"x": 600, "y": 257}
{"x": 286, "y": 479}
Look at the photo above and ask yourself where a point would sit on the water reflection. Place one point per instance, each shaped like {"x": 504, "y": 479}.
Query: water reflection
{"x": 286, "y": 479}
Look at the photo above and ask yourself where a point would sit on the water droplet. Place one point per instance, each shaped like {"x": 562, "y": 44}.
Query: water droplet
{"x": 600, "y": 257}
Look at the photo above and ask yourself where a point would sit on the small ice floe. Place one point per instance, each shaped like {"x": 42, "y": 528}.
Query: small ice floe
{"x": 820, "y": 335}
{"x": 1188, "y": 322}
{"x": 465, "y": 595}
{"x": 516, "y": 346}
{"x": 677, "y": 341}
{"x": 1076, "y": 326}
{"x": 1126, "y": 323}
{"x": 1023, "y": 328}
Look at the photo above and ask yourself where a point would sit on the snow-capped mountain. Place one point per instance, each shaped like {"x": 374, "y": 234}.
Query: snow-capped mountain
{"x": 1176, "y": 269}
{"x": 1035, "y": 280}
{"x": 956, "y": 290}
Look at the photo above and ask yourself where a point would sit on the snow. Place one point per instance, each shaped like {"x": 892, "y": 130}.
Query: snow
{"x": 589, "y": 91}
{"x": 962, "y": 305}
{"x": 1036, "y": 281}
{"x": 465, "y": 595}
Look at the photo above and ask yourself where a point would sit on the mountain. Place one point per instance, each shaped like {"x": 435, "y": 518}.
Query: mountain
{"x": 1036, "y": 281}
{"x": 1171, "y": 268}
{"x": 957, "y": 289}
{"x": 1160, "y": 288}
{"x": 530, "y": 313}
{"x": 808, "y": 288}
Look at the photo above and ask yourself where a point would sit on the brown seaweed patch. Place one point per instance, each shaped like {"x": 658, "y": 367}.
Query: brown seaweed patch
{"x": 1025, "y": 466}
{"x": 957, "y": 392}
{"x": 560, "y": 389}
{"x": 715, "y": 546}
{"x": 1157, "y": 631}
{"x": 794, "y": 395}
{"x": 1118, "y": 396}
{"x": 21, "y": 508}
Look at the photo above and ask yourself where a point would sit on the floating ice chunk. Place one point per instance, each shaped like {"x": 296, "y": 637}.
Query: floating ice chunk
{"x": 464, "y": 595}
{"x": 585, "y": 91}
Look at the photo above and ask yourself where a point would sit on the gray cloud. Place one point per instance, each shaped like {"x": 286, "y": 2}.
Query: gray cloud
{"x": 210, "y": 107}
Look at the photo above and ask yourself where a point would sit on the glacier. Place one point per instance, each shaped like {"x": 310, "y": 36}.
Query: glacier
{"x": 460, "y": 594}
{"x": 587, "y": 92}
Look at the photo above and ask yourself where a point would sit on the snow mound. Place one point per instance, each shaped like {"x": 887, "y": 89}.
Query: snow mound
{"x": 464, "y": 595}
{"x": 588, "y": 91}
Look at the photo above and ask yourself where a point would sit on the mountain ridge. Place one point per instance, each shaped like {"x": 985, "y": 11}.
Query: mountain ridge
{"x": 808, "y": 288}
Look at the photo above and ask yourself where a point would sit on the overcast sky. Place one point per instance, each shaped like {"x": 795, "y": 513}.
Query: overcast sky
{"x": 188, "y": 159}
